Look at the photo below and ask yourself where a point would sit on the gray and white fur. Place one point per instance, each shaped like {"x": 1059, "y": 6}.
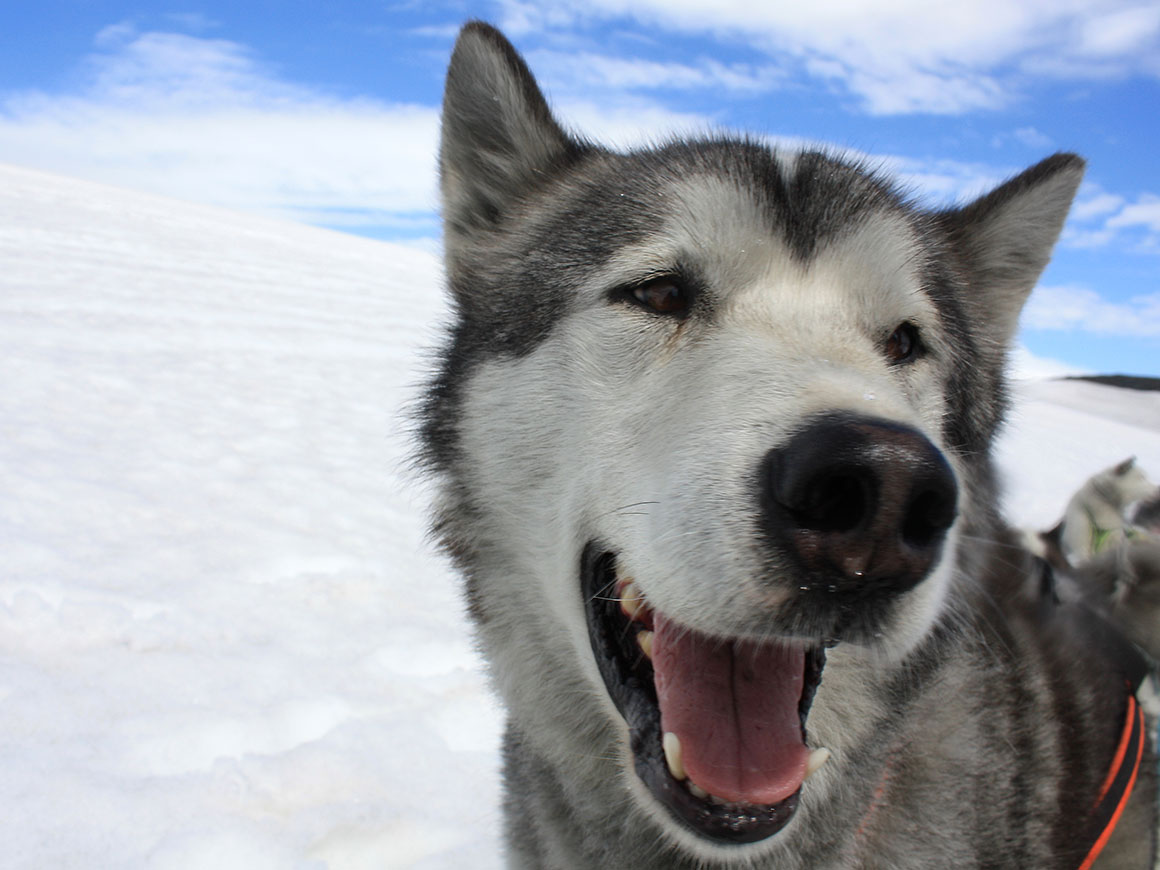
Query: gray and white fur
{"x": 1096, "y": 517}
{"x": 636, "y": 337}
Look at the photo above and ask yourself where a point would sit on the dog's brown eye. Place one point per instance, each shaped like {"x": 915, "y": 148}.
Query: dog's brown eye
{"x": 902, "y": 346}
{"x": 663, "y": 295}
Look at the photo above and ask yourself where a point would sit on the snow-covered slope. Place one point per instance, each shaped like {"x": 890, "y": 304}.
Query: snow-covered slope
{"x": 1062, "y": 432}
{"x": 223, "y": 641}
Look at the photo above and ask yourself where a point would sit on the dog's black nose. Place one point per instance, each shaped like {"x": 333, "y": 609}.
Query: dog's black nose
{"x": 863, "y": 504}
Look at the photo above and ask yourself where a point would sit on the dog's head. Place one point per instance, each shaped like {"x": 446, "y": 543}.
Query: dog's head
{"x": 708, "y": 409}
{"x": 1124, "y": 484}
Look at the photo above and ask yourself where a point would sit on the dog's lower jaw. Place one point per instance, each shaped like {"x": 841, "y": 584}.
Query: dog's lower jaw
{"x": 604, "y": 817}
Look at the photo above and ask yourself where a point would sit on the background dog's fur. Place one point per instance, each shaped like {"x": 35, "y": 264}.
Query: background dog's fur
{"x": 971, "y": 734}
{"x": 1096, "y": 516}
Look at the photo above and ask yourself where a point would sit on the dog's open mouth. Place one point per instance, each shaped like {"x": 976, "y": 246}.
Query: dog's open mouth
{"x": 718, "y": 727}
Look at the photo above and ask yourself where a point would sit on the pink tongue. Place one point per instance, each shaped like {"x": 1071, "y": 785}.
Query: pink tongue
{"x": 734, "y": 706}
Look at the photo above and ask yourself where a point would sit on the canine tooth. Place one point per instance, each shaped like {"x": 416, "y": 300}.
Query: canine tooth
{"x": 697, "y": 791}
{"x": 817, "y": 758}
{"x": 644, "y": 638}
{"x": 631, "y": 601}
{"x": 672, "y": 746}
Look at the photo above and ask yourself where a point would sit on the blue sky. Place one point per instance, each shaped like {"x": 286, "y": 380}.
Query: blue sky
{"x": 328, "y": 113}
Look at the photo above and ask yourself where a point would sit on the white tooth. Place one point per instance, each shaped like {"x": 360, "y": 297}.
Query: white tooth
{"x": 645, "y": 638}
{"x": 672, "y": 746}
{"x": 631, "y": 601}
{"x": 817, "y": 758}
{"x": 697, "y": 791}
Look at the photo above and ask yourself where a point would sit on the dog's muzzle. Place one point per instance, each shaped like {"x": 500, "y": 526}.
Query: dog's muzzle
{"x": 857, "y": 509}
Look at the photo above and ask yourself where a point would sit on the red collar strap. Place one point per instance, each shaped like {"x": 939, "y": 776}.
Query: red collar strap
{"x": 1118, "y": 783}
{"x": 1092, "y": 631}
{"x": 1114, "y": 793}
{"x": 1125, "y": 660}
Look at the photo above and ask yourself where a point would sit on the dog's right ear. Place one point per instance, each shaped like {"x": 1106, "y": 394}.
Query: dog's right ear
{"x": 499, "y": 138}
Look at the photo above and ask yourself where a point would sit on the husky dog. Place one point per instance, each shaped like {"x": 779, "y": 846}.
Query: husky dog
{"x": 1147, "y": 515}
{"x": 1114, "y": 560}
{"x": 712, "y": 432}
{"x": 1096, "y": 516}
{"x": 1123, "y": 581}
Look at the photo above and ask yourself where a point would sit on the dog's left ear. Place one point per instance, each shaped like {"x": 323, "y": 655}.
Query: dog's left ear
{"x": 1004, "y": 239}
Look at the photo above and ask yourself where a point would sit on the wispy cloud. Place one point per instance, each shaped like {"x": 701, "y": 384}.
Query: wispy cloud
{"x": 903, "y": 56}
{"x": 1099, "y": 219}
{"x": 1078, "y": 309}
{"x": 588, "y": 70}
{"x": 942, "y": 181}
{"x": 1145, "y": 212}
{"x": 625, "y": 122}
{"x": 1094, "y": 203}
{"x": 203, "y": 119}
{"x": 1024, "y": 365}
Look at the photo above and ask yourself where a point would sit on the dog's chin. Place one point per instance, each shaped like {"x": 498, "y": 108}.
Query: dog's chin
{"x": 724, "y": 809}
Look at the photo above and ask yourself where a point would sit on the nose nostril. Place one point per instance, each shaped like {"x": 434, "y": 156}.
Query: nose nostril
{"x": 835, "y": 502}
{"x": 929, "y": 515}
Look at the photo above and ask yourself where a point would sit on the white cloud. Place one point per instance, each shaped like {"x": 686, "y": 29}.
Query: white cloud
{"x": 1032, "y": 138}
{"x": 1092, "y": 205}
{"x": 1120, "y": 32}
{"x": 901, "y": 56}
{"x": 1079, "y": 309}
{"x": 1145, "y": 212}
{"x": 943, "y": 181}
{"x": 627, "y": 123}
{"x": 586, "y": 70}
{"x": 1024, "y": 365}
{"x": 1099, "y": 218}
{"x": 1029, "y": 137}
{"x": 202, "y": 119}
{"x": 894, "y": 91}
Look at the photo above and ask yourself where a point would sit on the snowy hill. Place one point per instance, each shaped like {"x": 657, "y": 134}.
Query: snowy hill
{"x": 223, "y": 641}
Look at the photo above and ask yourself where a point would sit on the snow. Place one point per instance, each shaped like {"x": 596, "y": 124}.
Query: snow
{"x": 1062, "y": 432}
{"x": 224, "y": 640}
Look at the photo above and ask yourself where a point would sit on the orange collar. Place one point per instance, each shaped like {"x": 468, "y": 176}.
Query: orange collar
{"x": 1118, "y": 783}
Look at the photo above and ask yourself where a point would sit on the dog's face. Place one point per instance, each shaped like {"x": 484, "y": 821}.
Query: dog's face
{"x": 1125, "y": 484}
{"x": 709, "y": 411}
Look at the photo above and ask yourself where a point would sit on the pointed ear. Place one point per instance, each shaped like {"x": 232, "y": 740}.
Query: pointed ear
{"x": 1124, "y": 467}
{"x": 1004, "y": 239}
{"x": 499, "y": 137}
